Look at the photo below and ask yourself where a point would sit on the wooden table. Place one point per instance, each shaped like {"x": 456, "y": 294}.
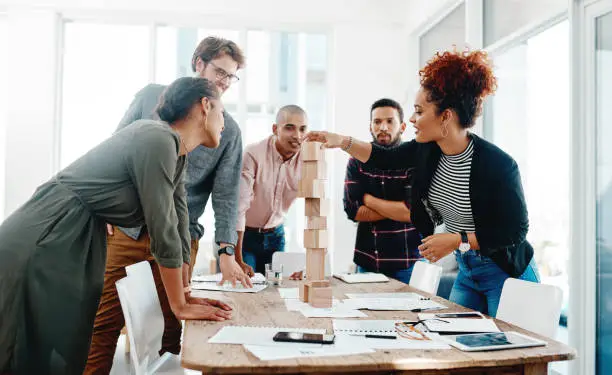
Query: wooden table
{"x": 266, "y": 308}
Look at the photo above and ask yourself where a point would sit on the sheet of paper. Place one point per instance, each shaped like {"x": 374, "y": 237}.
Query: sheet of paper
{"x": 291, "y": 293}
{"x": 338, "y": 311}
{"x": 258, "y": 336}
{"x": 366, "y": 277}
{"x": 352, "y": 326}
{"x": 399, "y": 343}
{"x": 228, "y": 287}
{"x": 458, "y": 325}
{"x": 257, "y": 279}
{"x": 405, "y": 295}
{"x": 297, "y": 305}
{"x": 392, "y": 304}
{"x": 342, "y": 346}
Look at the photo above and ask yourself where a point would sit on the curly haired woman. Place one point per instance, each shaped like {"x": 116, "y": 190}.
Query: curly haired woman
{"x": 461, "y": 180}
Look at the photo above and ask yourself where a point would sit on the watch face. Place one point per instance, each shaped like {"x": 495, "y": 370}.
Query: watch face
{"x": 227, "y": 250}
{"x": 464, "y": 246}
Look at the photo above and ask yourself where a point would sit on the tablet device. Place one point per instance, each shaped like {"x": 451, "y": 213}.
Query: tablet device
{"x": 492, "y": 341}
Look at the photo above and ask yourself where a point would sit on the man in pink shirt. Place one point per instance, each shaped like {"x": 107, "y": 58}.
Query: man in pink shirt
{"x": 268, "y": 186}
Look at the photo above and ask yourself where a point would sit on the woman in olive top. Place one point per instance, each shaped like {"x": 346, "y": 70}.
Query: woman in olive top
{"x": 461, "y": 180}
{"x": 53, "y": 250}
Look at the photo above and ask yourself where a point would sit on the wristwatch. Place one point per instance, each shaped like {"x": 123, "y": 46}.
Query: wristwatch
{"x": 229, "y": 250}
{"x": 465, "y": 243}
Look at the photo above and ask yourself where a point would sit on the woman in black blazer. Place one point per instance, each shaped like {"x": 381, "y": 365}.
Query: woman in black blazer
{"x": 461, "y": 180}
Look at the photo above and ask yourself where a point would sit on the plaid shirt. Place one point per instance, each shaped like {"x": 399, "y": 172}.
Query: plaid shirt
{"x": 384, "y": 246}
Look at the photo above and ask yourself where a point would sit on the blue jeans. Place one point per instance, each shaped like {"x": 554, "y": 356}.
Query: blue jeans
{"x": 257, "y": 248}
{"x": 400, "y": 275}
{"x": 479, "y": 283}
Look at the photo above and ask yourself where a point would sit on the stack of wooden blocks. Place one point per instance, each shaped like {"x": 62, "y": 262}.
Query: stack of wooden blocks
{"x": 315, "y": 289}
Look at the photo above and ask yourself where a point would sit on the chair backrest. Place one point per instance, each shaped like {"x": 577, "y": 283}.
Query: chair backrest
{"x": 426, "y": 277}
{"x": 542, "y": 316}
{"x": 143, "y": 315}
{"x": 295, "y": 261}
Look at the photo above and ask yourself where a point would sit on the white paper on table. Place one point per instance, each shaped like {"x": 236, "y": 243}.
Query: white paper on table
{"x": 362, "y": 327}
{"x": 342, "y": 346}
{"x": 297, "y": 305}
{"x": 289, "y": 293}
{"x": 458, "y": 325}
{"x": 406, "y": 295}
{"x": 338, "y": 311}
{"x": 243, "y": 335}
{"x": 399, "y": 343}
{"x": 228, "y": 287}
{"x": 257, "y": 279}
{"x": 392, "y": 304}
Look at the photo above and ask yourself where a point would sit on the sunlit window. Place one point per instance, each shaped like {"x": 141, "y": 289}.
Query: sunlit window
{"x": 104, "y": 66}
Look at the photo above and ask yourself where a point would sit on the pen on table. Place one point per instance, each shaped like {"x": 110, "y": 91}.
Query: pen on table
{"x": 381, "y": 337}
{"x": 424, "y": 309}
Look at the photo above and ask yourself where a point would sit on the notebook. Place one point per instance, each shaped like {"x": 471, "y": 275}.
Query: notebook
{"x": 365, "y": 327}
{"x": 367, "y": 277}
{"x": 458, "y": 325}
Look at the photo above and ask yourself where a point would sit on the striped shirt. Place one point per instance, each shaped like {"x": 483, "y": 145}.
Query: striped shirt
{"x": 449, "y": 193}
{"x": 385, "y": 246}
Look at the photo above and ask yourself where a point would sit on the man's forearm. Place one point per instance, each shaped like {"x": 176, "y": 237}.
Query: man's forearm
{"x": 366, "y": 214}
{"x": 394, "y": 210}
{"x": 238, "y": 249}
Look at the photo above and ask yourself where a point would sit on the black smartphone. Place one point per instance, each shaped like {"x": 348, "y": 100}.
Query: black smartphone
{"x": 312, "y": 338}
{"x": 459, "y": 315}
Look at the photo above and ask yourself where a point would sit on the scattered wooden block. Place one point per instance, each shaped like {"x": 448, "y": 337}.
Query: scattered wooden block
{"x": 312, "y": 151}
{"x": 314, "y": 170}
{"x": 316, "y": 222}
{"x": 320, "y": 296}
{"x": 311, "y": 189}
{"x": 315, "y": 264}
{"x": 317, "y": 207}
{"x": 315, "y": 238}
{"x": 304, "y": 291}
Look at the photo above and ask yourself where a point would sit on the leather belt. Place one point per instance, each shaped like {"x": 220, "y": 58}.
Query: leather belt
{"x": 260, "y": 230}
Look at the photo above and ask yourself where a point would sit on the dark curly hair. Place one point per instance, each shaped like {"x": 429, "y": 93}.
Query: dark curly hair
{"x": 178, "y": 98}
{"x": 459, "y": 80}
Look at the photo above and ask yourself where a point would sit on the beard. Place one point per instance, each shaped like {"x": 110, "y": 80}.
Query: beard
{"x": 386, "y": 139}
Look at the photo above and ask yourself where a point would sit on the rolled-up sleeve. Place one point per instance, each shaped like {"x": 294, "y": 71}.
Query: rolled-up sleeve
{"x": 152, "y": 163}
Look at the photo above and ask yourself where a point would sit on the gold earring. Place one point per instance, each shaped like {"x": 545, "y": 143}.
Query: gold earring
{"x": 444, "y": 127}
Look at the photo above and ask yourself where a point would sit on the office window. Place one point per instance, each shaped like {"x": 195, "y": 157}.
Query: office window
{"x": 503, "y": 17}
{"x": 603, "y": 92}
{"x": 529, "y": 118}
{"x": 443, "y": 36}
{"x": 104, "y": 66}
{"x": 281, "y": 68}
{"x": 3, "y": 107}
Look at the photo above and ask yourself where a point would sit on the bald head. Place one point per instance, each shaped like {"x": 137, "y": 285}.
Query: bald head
{"x": 288, "y": 111}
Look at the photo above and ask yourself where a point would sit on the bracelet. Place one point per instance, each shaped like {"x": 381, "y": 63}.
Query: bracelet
{"x": 350, "y": 144}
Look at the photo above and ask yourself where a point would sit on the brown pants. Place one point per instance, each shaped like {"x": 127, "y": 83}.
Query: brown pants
{"x": 123, "y": 251}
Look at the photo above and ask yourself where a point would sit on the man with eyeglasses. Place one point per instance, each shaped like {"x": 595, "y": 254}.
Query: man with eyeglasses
{"x": 209, "y": 171}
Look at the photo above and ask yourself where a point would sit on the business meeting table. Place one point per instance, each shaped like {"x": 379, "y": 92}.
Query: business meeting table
{"x": 266, "y": 308}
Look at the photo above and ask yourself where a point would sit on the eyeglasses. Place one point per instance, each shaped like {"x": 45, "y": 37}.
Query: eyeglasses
{"x": 408, "y": 330}
{"x": 223, "y": 74}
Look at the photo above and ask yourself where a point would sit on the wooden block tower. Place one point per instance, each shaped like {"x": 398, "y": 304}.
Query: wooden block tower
{"x": 315, "y": 289}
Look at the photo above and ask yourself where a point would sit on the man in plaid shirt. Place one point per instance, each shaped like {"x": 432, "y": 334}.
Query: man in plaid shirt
{"x": 379, "y": 201}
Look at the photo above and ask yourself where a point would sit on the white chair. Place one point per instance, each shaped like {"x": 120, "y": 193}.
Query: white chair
{"x": 295, "y": 261}
{"x": 145, "y": 322}
{"x": 426, "y": 277}
{"x": 542, "y": 316}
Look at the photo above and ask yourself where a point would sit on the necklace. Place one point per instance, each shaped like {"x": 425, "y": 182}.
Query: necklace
{"x": 183, "y": 143}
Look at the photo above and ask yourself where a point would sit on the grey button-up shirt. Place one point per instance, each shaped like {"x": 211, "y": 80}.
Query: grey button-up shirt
{"x": 209, "y": 170}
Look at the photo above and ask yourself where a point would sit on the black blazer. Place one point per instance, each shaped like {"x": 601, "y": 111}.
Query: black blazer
{"x": 496, "y": 195}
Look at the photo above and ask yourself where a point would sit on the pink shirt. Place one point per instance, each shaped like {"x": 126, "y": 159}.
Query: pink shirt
{"x": 268, "y": 185}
